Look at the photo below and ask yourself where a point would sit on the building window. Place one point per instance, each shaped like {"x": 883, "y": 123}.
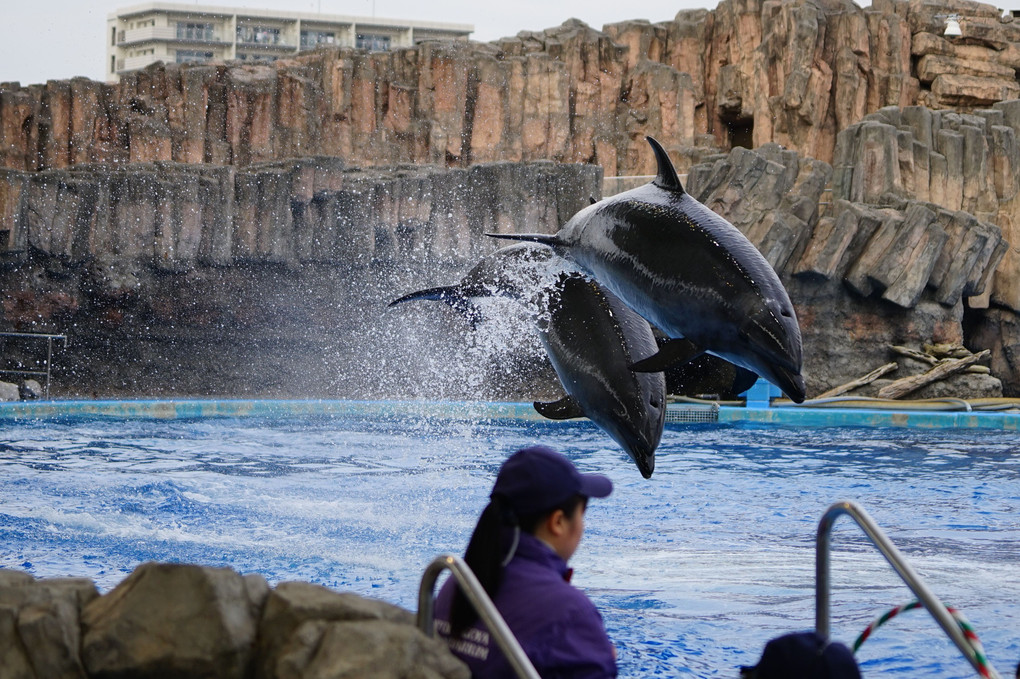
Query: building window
{"x": 113, "y": 36}
{"x": 113, "y": 64}
{"x": 312, "y": 39}
{"x": 257, "y": 58}
{"x": 193, "y": 56}
{"x": 258, "y": 35}
{"x": 192, "y": 30}
{"x": 373, "y": 43}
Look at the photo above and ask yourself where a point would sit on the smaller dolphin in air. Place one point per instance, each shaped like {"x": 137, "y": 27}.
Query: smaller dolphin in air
{"x": 515, "y": 272}
{"x": 590, "y": 337}
{"x": 691, "y": 273}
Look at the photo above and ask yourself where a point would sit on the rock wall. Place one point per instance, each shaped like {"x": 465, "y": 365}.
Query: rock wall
{"x": 749, "y": 72}
{"x": 273, "y": 280}
{"x": 176, "y": 620}
{"x": 311, "y": 210}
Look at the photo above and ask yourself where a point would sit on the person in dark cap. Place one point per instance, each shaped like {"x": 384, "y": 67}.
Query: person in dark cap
{"x": 519, "y": 551}
{"x": 804, "y": 655}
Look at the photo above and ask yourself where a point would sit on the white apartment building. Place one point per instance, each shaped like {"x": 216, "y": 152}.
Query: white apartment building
{"x": 174, "y": 33}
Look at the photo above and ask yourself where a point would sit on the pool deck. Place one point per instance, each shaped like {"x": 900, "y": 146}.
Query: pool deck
{"x": 678, "y": 414}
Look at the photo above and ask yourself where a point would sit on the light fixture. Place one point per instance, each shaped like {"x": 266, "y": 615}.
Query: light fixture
{"x": 953, "y": 26}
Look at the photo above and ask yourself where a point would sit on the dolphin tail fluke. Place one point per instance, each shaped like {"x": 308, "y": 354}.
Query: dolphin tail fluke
{"x": 565, "y": 409}
{"x": 451, "y": 295}
{"x": 673, "y": 352}
{"x": 666, "y": 176}
{"x": 543, "y": 238}
{"x": 446, "y": 294}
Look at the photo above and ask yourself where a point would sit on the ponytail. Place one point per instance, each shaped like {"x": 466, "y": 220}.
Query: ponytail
{"x": 485, "y": 557}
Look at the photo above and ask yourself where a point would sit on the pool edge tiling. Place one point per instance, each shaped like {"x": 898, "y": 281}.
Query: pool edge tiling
{"x": 470, "y": 410}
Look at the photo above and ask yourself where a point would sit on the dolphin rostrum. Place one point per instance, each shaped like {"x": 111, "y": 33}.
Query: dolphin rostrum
{"x": 691, "y": 273}
{"x": 590, "y": 337}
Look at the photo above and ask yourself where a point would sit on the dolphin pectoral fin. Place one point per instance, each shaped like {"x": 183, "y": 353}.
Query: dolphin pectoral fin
{"x": 666, "y": 176}
{"x": 564, "y": 409}
{"x": 672, "y": 352}
{"x": 743, "y": 379}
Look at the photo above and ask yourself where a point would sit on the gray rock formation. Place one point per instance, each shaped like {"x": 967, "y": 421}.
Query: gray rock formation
{"x": 271, "y": 280}
{"x": 862, "y": 275}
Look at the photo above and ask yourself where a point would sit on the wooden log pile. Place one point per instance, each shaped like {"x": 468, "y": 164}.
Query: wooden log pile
{"x": 941, "y": 370}
{"x": 943, "y": 360}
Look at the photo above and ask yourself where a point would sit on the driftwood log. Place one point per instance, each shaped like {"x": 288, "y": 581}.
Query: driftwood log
{"x": 944, "y": 369}
{"x": 932, "y": 360}
{"x": 860, "y": 381}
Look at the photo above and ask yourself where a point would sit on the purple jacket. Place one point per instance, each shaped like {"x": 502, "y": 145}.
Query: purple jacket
{"x": 555, "y": 623}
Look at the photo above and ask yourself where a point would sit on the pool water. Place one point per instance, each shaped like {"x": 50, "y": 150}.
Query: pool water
{"x": 694, "y": 569}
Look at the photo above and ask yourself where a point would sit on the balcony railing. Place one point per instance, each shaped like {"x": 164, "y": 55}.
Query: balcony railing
{"x": 147, "y": 34}
{"x": 136, "y": 63}
{"x": 251, "y": 44}
{"x": 167, "y": 34}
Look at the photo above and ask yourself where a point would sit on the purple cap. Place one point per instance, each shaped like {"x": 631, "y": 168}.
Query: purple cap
{"x": 804, "y": 655}
{"x": 537, "y": 479}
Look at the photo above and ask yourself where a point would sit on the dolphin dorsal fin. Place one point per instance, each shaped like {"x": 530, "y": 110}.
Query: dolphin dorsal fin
{"x": 666, "y": 176}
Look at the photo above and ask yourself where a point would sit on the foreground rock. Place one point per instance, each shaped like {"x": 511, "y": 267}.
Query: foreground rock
{"x": 175, "y": 620}
{"x": 40, "y": 632}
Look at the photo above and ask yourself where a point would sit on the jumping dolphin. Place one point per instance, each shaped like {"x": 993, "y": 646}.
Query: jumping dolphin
{"x": 691, "y": 273}
{"x": 590, "y": 336}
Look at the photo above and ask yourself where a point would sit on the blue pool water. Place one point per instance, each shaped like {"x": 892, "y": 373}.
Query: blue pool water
{"x": 694, "y": 569}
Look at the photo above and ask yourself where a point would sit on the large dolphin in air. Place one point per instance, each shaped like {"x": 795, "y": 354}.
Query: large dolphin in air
{"x": 591, "y": 339}
{"x": 691, "y": 273}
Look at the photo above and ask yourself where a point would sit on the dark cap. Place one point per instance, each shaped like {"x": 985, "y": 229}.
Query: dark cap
{"x": 537, "y": 479}
{"x": 804, "y": 655}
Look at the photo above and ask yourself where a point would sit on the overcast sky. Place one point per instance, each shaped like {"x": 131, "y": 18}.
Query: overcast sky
{"x": 42, "y": 40}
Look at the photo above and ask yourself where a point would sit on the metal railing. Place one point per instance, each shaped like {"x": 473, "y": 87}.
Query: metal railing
{"x": 49, "y": 355}
{"x": 931, "y": 602}
{"x": 475, "y": 593}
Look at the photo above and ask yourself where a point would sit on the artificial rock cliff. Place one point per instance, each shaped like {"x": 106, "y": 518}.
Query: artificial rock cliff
{"x": 882, "y": 186}
{"x": 793, "y": 72}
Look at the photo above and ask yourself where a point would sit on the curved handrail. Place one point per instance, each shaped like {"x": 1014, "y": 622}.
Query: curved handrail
{"x": 475, "y": 593}
{"x": 822, "y": 581}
